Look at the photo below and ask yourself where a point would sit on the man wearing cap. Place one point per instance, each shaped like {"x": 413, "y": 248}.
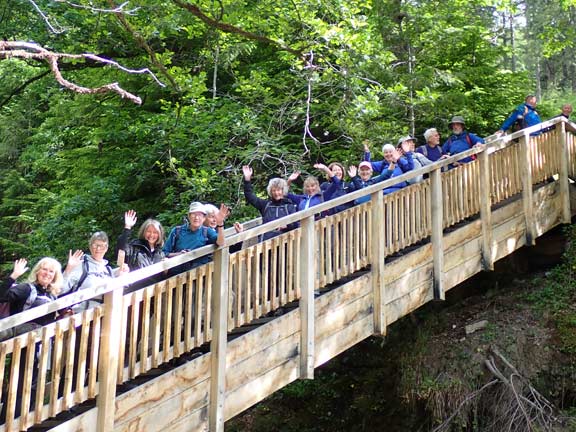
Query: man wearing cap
{"x": 362, "y": 178}
{"x": 460, "y": 140}
{"x": 193, "y": 235}
{"x": 406, "y": 145}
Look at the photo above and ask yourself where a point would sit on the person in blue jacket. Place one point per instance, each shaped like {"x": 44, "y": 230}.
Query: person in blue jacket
{"x": 313, "y": 193}
{"x": 335, "y": 174}
{"x": 362, "y": 178}
{"x": 460, "y": 140}
{"x": 523, "y": 116}
{"x": 392, "y": 158}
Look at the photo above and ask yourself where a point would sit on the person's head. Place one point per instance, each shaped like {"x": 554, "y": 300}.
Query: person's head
{"x": 311, "y": 186}
{"x": 337, "y": 169}
{"x": 47, "y": 273}
{"x": 365, "y": 170}
{"x": 531, "y": 100}
{"x": 388, "y": 152}
{"x": 409, "y": 140}
{"x": 211, "y": 211}
{"x": 566, "y": 110}
{"x": 196, "y": 215}
{"x": 456, "y": 124}
{"x": 98, "y": 245}
{"x": 432, "y": 137}
{"x": 152, "y": 232}
{"x": 277, "y": 188}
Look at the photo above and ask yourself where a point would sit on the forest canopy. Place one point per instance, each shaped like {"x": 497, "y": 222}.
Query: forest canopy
{"x": 276, "y": 85}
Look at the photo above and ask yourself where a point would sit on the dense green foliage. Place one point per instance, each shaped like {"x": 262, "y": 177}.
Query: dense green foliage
{"x": 277, "y": 86}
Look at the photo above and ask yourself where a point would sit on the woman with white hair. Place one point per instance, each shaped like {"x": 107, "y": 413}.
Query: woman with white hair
{"x": 275, "y": 207}
{"x": 392, "y": 162}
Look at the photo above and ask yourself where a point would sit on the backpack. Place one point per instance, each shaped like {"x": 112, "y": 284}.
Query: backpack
{"x": 424, "y": 150}
{"x": 520, "y": 122}
{"x": 85, "y": 274}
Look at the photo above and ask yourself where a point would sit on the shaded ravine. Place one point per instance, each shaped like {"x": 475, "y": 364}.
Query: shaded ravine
{"x": 427, "y": 364}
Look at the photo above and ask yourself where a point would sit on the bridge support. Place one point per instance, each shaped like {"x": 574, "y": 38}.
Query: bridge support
{"x": 525, "y": 161}
{"x": 219, "y": 342}
{"x": 377, "y": 233}
{"x": 486, "y": 210}
{"x": 307, "y": 281}
{"x": 437, "y": 235}
{"x": 108, "y": 361}
{"x": 564, "y": 170}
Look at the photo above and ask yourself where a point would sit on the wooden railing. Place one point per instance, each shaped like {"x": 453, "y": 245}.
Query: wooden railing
{"x": 87, "y": 355}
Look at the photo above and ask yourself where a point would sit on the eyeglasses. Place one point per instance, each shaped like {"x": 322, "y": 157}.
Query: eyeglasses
{"x": 99, "y": 245}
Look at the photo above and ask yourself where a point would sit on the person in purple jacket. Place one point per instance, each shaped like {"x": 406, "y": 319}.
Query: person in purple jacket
{"x": 460, "y": 141}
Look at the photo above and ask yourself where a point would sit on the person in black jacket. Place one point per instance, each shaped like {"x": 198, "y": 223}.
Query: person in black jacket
{"x": 275, "y": 207}
{"x": 144, "y": 250}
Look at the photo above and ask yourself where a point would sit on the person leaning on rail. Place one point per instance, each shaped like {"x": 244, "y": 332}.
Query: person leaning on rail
{"x": 212, "y": 222}
{"x": 523, "y": 116}
{"x": 460, "y": 141}
{"x": 87, "y": 271}
{"x": 275, "y": 207}
{"x": 313, "y": 194}
{"x": 362, "y": 178}
{"x": 43, "y": 286}
{"x": 335, "y": 174}
{"x": 193, "y": 235}
{"x": 392, "y": 158}
{"x": 432, "y": 149}
{"x": 406, "y": 144}
{"x": 144, "y": 250}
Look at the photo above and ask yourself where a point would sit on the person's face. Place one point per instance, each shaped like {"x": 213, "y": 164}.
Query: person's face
{"x": 98, "y": 249}
{"x": 434, "y": 139}
{"x": 151, "y": 235}
{"x": 311, "y": 188}
{"x": 276, "y": 193}
{"x": 409, "y": 144}
{"x": 365, "y": 173}
{"x": 389, "y": 155}
{"x": 196, "y": 220}
{"x": 532, "y": 102}
{"x": 457, "y": 128}
{"x": 210, "y": 220}
{"x": 45, "y": 275}
{"x": 337, "y": 171}
{"x": 567, "y": 110}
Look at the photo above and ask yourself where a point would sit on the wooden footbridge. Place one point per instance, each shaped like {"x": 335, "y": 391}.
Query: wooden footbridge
{"x": 373, "y": 264}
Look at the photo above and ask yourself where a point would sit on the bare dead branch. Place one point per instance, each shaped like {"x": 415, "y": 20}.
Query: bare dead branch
{"x": 117, "y": 9}
{"x": 27, "y": 50}
{"x": 229, "y": 28}
{"x": 54, "y": 28}
{"x": 146, "y": 47}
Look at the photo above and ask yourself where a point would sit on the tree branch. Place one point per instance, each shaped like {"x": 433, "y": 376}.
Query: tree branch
{"x": 27, "y": 50}
{"x": 145, "y": 46}
{"x": 229, "y": 28}
{"x": 22, "y": 86}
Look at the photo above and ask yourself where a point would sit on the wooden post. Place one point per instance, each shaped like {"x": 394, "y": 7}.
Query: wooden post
{"x": 527, "y": 197}
{"x": 437, "y": 236}
{"x": 485, "y": 210}
{"x": 564, "y": 180}
{"x": 377, "y": 262}
{"x": 307, "y": 275}
{"x": 108, "y": 361}
{"x": 219, "y": 342}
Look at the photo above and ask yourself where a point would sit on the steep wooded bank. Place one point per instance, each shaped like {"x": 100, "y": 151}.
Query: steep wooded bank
{"x": 275, "y": 86}
{"x": 461, "y": 365}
